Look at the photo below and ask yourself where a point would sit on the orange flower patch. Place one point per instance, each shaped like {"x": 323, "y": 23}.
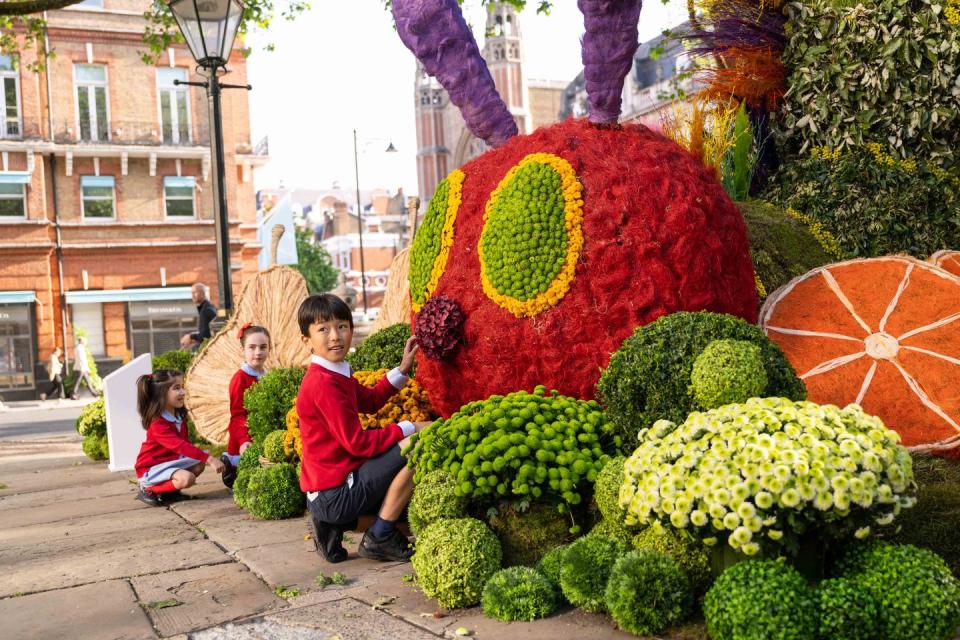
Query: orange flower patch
{"x": 947, "y": 259}
{"x": 883, "y": 333}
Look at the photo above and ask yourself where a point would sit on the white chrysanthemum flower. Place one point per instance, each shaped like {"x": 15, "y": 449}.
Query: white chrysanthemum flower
{"x": 764, "y": 499}
{"x": 698, "y": 518}
{"x": 884, "y": 520}
{"x": 731, "y": 521}
{"x": 861, "y": 533}
{"x": 746, "y": 510}
{"x": 790, "y": 498}
{"x": 774, "y": 534}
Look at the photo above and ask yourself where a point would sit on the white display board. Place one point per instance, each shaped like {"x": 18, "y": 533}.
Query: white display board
{"x": 125, "y": 434}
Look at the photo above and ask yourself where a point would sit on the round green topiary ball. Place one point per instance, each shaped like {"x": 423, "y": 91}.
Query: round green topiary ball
{"x": 613, "y": 530}
{"x": 518, "y": 593}
{"x": 382, "y": 350}
{"x": 915, "y": 593}
{"x": 240, "y": 487}
{"x": 648, "y": 592}
{"x": 273, "y": 446}
{"x": 250, "y": 458}
{"x": 728, "y": 371}
{"x": 434, "y": 498}
{"x": 454, "y": 559}
{"x": 92, "y": 446}
{"x": 525, "y": 536}
{"x": 549, "y": 565}
{"x": 760, "y": 600}
{"x": 692, "y": 557}
{"x": 847, "y": 610}
{"x": 273, "y": 493}
{"x": 585, "y": 569}
{"x": 606, "y": 490}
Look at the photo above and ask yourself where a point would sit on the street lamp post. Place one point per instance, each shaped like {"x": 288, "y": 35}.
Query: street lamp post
{"x": 210, "y": 28}
{"x": 356, "y": 171}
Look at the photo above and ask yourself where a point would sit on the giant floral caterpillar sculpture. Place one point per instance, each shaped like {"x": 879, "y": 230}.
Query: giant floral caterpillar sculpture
{"x": 537, "y": 259}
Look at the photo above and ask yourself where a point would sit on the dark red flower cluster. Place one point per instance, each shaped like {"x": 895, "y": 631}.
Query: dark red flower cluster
{"x": 439, "y": 327}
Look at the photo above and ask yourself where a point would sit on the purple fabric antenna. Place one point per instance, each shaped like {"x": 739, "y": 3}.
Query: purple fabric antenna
{"x": 437, "y": 34}
{"x": 609, "y": 43}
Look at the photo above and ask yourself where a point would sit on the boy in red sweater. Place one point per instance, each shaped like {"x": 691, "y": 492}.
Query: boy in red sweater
{"x": 347, "y": 471}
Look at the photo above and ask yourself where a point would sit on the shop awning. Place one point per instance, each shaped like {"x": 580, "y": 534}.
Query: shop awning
{"x": 152, "y": 294}
{"x": 17, "y": 297}
{"x": 14, "y": 177}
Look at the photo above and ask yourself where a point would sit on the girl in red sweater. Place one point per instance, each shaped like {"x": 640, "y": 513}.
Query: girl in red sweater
{"x": 167, "y": 462}
{"x": 255, "y": 346}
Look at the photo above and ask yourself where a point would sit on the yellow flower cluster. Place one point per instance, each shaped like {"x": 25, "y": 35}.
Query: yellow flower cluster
{"x": 291, "y": 437}
{"x": 826, "y": 153}
{"x": 944, "y": 176}
{"x": 573, "y": 222}
{"x": 818, "y": 231}
{"x": 952, "y": 12}
{"x": 455, "y": 195}
{"x": 410, "y": 403}
{"x": 761, "y": 290}
{"x": 875, "y": 149}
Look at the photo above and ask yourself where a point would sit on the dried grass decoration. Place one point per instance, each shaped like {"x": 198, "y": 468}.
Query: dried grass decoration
{"x": 269, "y": 299}
{"x": 947, "y": 259}
{"x": 396, "y": 299}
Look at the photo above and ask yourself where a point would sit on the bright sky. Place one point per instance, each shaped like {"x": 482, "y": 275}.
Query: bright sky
{"x": 341, "y": 66}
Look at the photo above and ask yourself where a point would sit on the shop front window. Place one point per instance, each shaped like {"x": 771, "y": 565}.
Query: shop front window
{"x": 156, "y": 327}
{"x": 16, "y": 347}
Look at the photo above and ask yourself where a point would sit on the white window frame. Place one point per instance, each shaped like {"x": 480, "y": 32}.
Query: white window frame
{"x": 193, "y": 200}
{"x": 113, "y": 200}
{"x": 90, "y": 5}
{"x": 175, "y": 129}
{"x": 91, "y": 100}
{"x": 23, "y": 189}
{"x": 4, "y": 74}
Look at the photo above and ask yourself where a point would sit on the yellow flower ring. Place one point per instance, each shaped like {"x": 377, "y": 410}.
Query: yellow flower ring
{"x": 431, "y": 248}
{"x": 535, "y": 299}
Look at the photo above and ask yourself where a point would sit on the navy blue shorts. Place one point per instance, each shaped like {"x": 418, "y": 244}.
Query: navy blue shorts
{"x": 362, "y": 493}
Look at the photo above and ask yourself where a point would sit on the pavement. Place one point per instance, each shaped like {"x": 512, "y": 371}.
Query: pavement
{"x": 80, "y": 557}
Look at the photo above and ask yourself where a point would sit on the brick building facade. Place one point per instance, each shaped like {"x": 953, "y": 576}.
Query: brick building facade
{"x": 106, "y": 205}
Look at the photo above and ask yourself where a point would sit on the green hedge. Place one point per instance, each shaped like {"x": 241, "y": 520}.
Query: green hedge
{"x": 268, "y": 401}
{"x": 382, "y": 350}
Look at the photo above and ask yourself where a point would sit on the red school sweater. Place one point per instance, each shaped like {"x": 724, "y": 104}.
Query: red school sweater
{"x": 165, "y": 442}
{"x": 237, "y": 429}
{"x": 334, "y": 443}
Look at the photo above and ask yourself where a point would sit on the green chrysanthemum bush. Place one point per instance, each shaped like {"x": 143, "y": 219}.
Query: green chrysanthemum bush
{"x": 758, "y": 475}
{"x": 916, "y": 596}
{"x": 648, "y": 592}
{"x": 382, "y": 350}
{"x": 649, "y": 376}
{"x": 273, "y": 493}
{"x": 534, "y": 446}
{"x": 585, "y": 569}
{"x": 691, "y": 556}
{"x": 268, "y": 401}
{"x": 273, "y": 446}
{"x": 434, "y": 498}
{"x": 518, "y": 593}
{"x": 727, "y": 371}
{"x": 847, "y": 610}
{"x": 761, "y": 600}
{"x": 527, "y": 532}
{"x": 612, "y": 530}
{"x": 454, "y": 559}
{"x": 549, "y": 565}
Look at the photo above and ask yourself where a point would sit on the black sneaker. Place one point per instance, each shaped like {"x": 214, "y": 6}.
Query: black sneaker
{"x": 395, "y": 547}
{"x": 174, "y": 496}
{"x": 148, "y": 497}
{"x": 327, "y": 540}
{"x": 229, "y": 475}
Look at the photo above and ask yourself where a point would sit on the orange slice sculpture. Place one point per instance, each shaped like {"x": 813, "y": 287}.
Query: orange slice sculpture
{"x": 883, "y": 333}
{"x": 948, "y": 259}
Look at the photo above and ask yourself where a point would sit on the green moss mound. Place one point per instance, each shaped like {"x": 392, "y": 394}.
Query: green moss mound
{"x": 784, "y": 246}
{"x": 526, "y": 535}
{"x": 549, "y": 565}
{"x": 454, "y": 559}
{"x": 585, "y": 569}
{"x": 382, "y": 350}
{"x": 606, "y": 491}
{"x": 95, "y": 447}
{"x": 649, "y": 376}
{"x": 692, "y": 557}
{"x": 268, "y": 401}
{"x": 273, "y": 446}
{"x": 727, "y": 371}
{"x": 273, "y": 493}
{"x": 847, "y": 611}
{"x": 761, "y": 600}
{"x": 518, "y": 593}
{"x": 648, "y": 592}
{"x": 434, "y": 498}
{"x": 93, "y": 419}
{"x": 915, "y": 593}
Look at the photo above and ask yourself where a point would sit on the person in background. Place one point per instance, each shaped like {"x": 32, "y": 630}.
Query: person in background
{"x": 55, "y": 371}
{"x": 206, "y": 312}
{"x": 82, "y": 368}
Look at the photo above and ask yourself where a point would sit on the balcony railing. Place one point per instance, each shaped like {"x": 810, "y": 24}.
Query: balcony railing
{"x": 131, "y": 132}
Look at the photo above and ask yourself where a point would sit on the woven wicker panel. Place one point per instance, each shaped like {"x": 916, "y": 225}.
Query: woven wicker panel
{"x": 270, "y": 299}
{"x": 396, "y": 299}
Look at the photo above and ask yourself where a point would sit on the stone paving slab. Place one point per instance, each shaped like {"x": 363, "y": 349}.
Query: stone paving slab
{"x": 63, "y": 495}
{"x": 58, "y": 572}
{"x": 72, "y": 510}
{"x": 239, "y": 530}
{"x": 209, "y": 595}
{"x": 351, "y": 620}
{"x": 86, "y": 474}
{"x": 106, "y": 610}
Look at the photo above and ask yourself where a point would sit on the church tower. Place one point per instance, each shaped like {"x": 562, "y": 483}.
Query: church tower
{"x": 503, "y": 51}
{"x": 432, "y": 154}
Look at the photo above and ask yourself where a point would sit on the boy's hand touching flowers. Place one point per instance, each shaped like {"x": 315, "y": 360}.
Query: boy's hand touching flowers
{"x": 409, "y": 351}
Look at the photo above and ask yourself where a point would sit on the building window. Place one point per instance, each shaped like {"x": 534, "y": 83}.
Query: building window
{"x": 92, "y": 111}
{"x": 156, "y": 327}
{"x": 178, "y": 196}
{"x": 17, "y": 347}
{"x": 97, "y": 196}
{"x": 174, "y": 106}
{"x": 11, "y": 98}
{"x": 13, "y": 199}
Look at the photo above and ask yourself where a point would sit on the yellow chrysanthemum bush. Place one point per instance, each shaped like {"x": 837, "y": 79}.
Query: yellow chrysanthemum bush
{"x": 410, "y": 403}
{"x": 761, "y": 474}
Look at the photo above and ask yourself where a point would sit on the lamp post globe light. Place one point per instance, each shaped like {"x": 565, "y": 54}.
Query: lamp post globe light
{"x": 209, "y": 28}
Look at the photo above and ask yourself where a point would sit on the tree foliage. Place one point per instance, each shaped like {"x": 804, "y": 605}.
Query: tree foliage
{"x": 315, "y": 264}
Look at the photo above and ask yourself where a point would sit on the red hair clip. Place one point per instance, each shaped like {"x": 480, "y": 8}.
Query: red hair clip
{"x": 242, "y": 329}
{"x": 150, "y": 377}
